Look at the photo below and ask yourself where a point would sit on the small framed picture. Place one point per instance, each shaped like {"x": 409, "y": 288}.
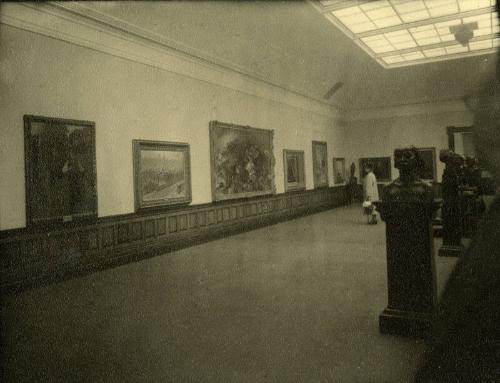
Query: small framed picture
{"x": 293, "y": 165}
{"x": 339, "y": 176}
{"x": 161, "y": 174}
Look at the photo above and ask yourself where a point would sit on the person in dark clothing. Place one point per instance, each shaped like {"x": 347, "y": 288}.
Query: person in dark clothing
{"x": 465, "y": 346}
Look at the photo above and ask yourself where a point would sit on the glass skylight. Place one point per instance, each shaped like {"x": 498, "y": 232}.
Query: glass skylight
{"x": 406, "y": 32}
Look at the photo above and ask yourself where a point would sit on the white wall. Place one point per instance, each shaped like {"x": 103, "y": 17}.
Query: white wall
{"x": 128, "y": 100}
{"x": 378, "y": 133}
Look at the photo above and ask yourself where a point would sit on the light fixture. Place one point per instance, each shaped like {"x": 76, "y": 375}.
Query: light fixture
{"x": 464, "y": 32}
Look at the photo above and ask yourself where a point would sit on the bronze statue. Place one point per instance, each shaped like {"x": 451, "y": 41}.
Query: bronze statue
{"x": 408, "y": 186}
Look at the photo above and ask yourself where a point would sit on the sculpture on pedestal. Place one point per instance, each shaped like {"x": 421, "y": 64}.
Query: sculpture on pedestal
{"x": 408, "y": 208}
{"x": 353, "y": 184}
{"x": 472, "y": 205}
{"x": 450, "y": 211}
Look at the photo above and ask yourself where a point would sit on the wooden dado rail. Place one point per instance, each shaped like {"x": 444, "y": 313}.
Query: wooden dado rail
{"x": 29, "y": 258}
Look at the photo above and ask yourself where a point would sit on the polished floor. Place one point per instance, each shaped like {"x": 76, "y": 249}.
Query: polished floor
{"x": 293, "y": 302}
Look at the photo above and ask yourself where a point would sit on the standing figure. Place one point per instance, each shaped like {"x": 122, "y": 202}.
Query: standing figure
{"x": 370, "y": 184}
{"x": 370, "y": 189}
{"x": 353, "y": 185}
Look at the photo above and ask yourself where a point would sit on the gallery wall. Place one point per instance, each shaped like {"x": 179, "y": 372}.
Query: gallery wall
{"x": 378, "y": 133}
{"x": 129, "y": 100}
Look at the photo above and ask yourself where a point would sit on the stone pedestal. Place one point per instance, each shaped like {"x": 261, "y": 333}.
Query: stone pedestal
{"x": 452, "y": 229}
{"x": 411, "y": 274}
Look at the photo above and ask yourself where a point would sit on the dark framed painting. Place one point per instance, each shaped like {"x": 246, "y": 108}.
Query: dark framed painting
{"x": 60, "y": 170}
{"x": 381, "y": 168}
{"x": 293, "y": 165}
{"x": 429, "y": 171}
{"x": 242, "y": 161}
{"x": 320, "y": 164}
{"x": 339, "y": 176}
{"x": 162, "y": 174}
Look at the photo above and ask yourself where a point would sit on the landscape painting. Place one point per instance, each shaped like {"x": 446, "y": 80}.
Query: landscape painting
{"x": 161, "y": 174}
{"x": 381, "y": 168}
{"x": 320, "y": 164}
{"x": 61, "y": 181}
{"x": 293, "y": 162}
{"x": 242, "y": 161}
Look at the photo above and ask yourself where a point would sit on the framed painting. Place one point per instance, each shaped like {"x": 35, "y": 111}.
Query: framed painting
{"x": 320, "y": 164}
{"x": 161, "y": 174}
{"x": 428, "y": 156}
{"x": 242, "y": 161}
{"x": 293, "y": 165}
{"x": 60, "y": 170}
{"x": 339, "y": 176}
{"x": 381, "y": 168}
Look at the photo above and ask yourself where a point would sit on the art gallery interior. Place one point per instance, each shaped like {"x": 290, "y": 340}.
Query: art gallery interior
{"x": 175, "y": 195}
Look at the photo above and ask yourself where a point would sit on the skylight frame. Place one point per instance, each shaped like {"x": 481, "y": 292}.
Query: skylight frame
{"x": 446, "y": 40}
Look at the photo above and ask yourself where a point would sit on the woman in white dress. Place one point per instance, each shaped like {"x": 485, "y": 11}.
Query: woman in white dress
{"x": 370, "y": 189}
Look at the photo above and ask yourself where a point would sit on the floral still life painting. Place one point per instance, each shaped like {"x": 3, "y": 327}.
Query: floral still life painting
{"x": 161, "y": 172}
{"x": 242, "y": 161}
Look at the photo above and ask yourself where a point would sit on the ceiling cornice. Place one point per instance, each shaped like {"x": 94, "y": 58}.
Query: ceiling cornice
{"x": 80, "y": 25}
{"x": 405, "y": 110}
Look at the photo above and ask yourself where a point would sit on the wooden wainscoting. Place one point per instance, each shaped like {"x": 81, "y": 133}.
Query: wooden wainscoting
{"x": 29, "y": 258}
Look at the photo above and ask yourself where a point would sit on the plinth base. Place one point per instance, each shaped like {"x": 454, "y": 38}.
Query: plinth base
{"x": 451, "y": 251}
{"x": 406, "y": 323}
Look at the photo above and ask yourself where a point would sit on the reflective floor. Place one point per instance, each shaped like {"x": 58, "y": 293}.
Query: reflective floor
{"x": 294, "y": 302}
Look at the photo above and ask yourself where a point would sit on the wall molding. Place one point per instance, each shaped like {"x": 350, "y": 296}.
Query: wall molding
{"x": 29, "y": 258}
{"x": 404, "y": 110}
{"x": 79, "y": 25}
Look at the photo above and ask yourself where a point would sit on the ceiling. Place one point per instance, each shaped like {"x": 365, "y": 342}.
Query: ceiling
{"x": 291, "y": 44}
{"x": 411, "y": 32}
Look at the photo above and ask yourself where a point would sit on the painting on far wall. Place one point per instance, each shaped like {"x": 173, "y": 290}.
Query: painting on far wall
{"x": 242, "y": 161}
{"x": 381, "y": 168}
{"x": 293, "y": 165}
{"x": 161, "y": 173}
{"x": 60, "y": 162}
{"x": 339, "y": 176}
{"x": 320, "y": 164}
{"x": 428, "y": 156}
